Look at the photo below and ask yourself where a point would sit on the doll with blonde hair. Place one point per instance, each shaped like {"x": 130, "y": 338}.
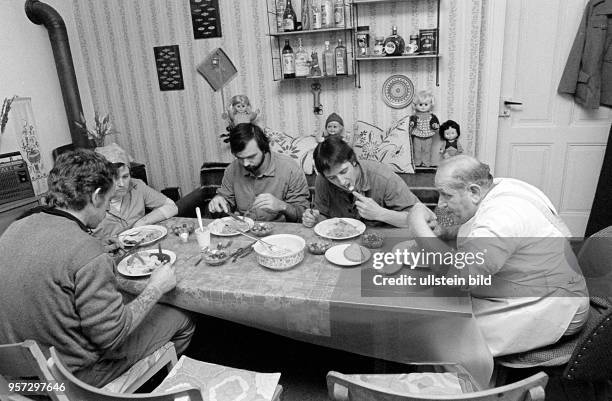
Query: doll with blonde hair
{"x": 240, "y": 111}
{"x": 423, "y": 126}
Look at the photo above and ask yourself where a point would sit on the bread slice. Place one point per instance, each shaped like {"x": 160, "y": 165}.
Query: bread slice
{"x": 355, "y": 253}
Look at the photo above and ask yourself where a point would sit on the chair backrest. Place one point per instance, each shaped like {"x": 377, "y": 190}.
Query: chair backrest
{"x": 26, "y": 360}
{"x": 342, "y": 387}
{"x": 595, "y": 254}
{"x": 592, "y": 358}
{"x": 62, "y": 149}
{"x": 211, "y": 173}
{"x": 77, "y": 390}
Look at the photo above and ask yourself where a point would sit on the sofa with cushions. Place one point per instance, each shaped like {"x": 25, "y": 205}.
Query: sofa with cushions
{"x": 392, "y": 147}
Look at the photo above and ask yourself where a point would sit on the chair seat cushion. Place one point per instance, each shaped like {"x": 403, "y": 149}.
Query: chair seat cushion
{"x": 415, "y": 383}
{"x": 220, "y": 382}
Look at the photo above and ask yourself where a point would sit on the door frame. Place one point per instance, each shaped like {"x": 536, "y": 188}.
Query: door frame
{"x": 486, "y": 149}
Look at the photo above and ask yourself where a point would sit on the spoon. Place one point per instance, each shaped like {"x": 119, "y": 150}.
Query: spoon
{"x": 199, "y": 214}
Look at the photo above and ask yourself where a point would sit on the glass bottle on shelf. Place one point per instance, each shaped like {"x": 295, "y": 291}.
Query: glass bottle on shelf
{"x": 328, "y": 61}
{"x": 394, "y": 44}
{"x": 327, "y": 14}
{"x": 288, "y": 61}
{"x": 280, "y": 15}
{"x": 315, "y": 70}
{"x": 289, "y": 18}
{"x": 315, "y": 14}
{"x": 302, "y": 61}
{"x": 339, "y": 13}
{"x": 379, "y": 46}
{"x": 306, "y": 15}
{"x": 340, "y": 58}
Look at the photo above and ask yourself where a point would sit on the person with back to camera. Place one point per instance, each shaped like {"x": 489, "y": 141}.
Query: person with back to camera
{"x": 58, "y": 285}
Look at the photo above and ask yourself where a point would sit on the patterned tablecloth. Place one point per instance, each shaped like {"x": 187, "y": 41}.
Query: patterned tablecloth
{"x": 324, "y": 304}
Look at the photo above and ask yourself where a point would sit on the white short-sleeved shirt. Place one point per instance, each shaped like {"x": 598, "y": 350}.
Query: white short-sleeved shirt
{"x": 537, "y": 287}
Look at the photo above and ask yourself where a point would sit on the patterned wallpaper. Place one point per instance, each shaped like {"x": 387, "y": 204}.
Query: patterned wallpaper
{"x": 174, "y": 132}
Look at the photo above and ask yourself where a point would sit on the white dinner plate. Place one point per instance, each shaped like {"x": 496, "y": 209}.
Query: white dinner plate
{"x": 218, "y": 227}
{"x": 141, "y": 271}
{"x": 335, "y": 255}
{"x": 395, "y": 267}
{"x": 325, "y": 227}
{"x": 150, "y": 234}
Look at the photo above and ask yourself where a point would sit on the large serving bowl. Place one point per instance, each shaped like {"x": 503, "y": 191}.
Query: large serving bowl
{"x": 275, "y": 260}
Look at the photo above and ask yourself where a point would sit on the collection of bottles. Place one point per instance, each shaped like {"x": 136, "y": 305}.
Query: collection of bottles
{"x": 300, "y": 64}
{"x": 394, "y": 45}
{"x": 316, "y": 14}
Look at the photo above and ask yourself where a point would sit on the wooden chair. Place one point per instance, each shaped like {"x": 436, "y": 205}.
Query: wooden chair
{"x": 26, "y": 360}
{"x": 143, "y": 370}
{"x": 77, "y": 390}
{"x": 350, "y": 388}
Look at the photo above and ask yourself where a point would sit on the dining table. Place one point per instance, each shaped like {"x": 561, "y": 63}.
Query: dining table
{"x": 326, "y": 304}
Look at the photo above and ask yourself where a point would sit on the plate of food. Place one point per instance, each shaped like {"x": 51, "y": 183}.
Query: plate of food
{"x": 226, "y": 227}
{"x": 142, "y": 263}
{"x": 339, "y": 228}
{"x": 348, "y": 254}
{"x": 143, "y": 235}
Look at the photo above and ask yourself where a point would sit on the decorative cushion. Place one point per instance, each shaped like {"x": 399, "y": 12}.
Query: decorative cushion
{"x": 415, "y": 383}
{"x": 392, "y": 147}
{"x": 298, "y": 148}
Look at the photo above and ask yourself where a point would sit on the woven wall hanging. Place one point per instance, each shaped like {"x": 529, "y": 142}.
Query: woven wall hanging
{"x": 168, "y": 64}
{"x": 205, "y": 19}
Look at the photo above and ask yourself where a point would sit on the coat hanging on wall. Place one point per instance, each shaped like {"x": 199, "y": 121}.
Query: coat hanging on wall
{"x": 205, "y": 19}
{"x": 168, "y": 63}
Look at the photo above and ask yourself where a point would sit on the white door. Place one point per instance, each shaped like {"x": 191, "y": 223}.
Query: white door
{"x": 548, "y": 141}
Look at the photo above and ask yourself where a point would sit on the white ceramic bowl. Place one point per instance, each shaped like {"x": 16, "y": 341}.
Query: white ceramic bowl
{"x": 267, "y": 258}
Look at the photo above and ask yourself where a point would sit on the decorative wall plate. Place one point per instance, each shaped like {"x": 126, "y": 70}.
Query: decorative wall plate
{"x": 398, "y": 91}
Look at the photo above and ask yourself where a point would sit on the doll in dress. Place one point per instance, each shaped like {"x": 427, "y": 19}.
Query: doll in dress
{"x": 423, "y": 126}
{"x": 450, "y": 133}
{"x": 240, "y": 111}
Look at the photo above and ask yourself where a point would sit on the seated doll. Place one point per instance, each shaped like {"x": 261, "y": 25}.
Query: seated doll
{"x": 450, "y": 133}
{"x": 334, "y": 125}
{"x": 240, "y": 111}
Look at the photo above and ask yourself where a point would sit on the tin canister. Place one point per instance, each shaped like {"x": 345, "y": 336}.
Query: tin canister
{"x": 428, "y": 41}
{"x": 363, "y": 41}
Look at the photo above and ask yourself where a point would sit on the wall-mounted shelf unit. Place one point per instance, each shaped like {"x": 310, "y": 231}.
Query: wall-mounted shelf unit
{"x": 358, "y": 59}
{"x": 313, "y": 39}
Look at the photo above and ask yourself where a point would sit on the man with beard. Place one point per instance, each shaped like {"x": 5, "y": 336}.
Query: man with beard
{"x": 270, "y": 185}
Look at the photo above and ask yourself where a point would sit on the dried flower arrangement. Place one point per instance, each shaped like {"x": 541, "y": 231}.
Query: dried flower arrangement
{"x": 102, "y": 128}
{"x": 6, "y": 107}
